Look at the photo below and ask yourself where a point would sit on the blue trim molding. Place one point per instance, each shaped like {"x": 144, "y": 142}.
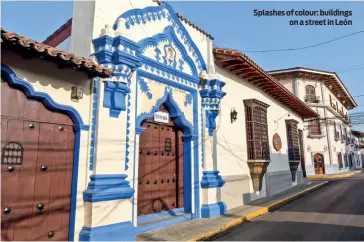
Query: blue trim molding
{"x": 211, "y": 179}
{"x": 114, "y": 97}
{"x": 175, "y": 113}
{"x": 95, "y": 107}
{"x": 170, "y": 36}
{"x": 44, "y": 98}
{"x": 213, "y": 210}
{"x": 107, "y": 187}
{"x": 211, "y": 94}
{"x": 150, "y": 14}
{"x": 122, "y": 56}
{"x": 113, "y": 232}
{"x": 78, "y": 125}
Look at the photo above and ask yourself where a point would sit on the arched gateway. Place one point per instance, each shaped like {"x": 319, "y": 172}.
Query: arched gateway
{"x": 160, "y": 174}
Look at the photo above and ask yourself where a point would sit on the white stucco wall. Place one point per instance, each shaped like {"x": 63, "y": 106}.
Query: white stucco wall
{"x": 327, "y": 142}
{"x": 232, "y": 145}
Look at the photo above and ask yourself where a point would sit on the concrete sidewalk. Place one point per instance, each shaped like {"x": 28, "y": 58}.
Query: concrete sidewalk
{"x": 334, "y": 176}
{"x": 200, "y": 229}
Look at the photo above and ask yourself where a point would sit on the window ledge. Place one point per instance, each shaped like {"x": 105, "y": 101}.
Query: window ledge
{"x": 317, "y": 136}
{"x": 256, "y": 161}
{"x": 294, "y": 161}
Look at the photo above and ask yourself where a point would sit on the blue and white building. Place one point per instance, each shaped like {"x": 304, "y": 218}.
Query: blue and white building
{"x": 180, "y": 130}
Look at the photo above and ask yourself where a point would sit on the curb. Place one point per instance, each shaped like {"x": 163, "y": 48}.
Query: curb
{"x": 325, "y": 177}
{"x": 257, "y": 213}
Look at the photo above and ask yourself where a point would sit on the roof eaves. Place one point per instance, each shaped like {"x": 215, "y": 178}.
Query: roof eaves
{"x": 21, "y": 44}
{"x": 265, "y": 74}
{"x": 315, "y": 71}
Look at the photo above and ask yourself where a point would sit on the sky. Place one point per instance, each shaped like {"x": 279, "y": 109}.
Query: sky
{"x": 233, "y": 25}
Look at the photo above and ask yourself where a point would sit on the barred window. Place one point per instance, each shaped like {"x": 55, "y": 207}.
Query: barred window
{"x": 310, "y": 94}
{"x": 330, "y": 101}
{"x": 315, "y": 127}
{"x": 293, "y": 141}
{"x": 256, "y": 129}
{"x": 340, "y": 159}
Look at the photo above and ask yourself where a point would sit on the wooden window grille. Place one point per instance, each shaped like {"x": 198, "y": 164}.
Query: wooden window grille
{"x": 257, "y": 130}
{"x": 167, "y": 145}
{"x": 315, "y": 127}
{"x": 310, "y": 94}
{"x": 12, "y": 154}
{"x": 340, "y": 159}
{"x": 293, "y": 140}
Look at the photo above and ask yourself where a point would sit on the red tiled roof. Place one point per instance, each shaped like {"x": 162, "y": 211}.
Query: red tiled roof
{"x": 32, "y": 48}
{"x": 241, "y": 65}
{"x": 329, "y": 78}
{"x": 60, "y": 34}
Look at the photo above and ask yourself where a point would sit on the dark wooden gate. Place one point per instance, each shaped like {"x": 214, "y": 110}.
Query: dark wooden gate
{"x": 160, "y": 174}
{"x": 36, "y": 169}
{"x": 319, "y": 164}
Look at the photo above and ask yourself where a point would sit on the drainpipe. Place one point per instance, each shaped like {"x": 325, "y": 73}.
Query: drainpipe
{"x": 327, "y": 131}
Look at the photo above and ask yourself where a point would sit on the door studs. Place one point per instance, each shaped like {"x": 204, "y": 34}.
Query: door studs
{"x": 155, "y": 181}
{"x": 162, "y": 180}
{"x": 40, "y": 206}
{"x": 6, "y": 210}
{"x": 147, "y": 182}
{"x": 139, "y": 182}
{"x": 11, "y": 168}
{"x": 31, "y": 125}
{"x": 44, "y": 168}
{"x": 51, "y": 234}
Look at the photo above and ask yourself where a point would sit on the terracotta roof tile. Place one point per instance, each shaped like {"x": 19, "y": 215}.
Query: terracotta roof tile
{"x": 19, "y": 43}
{"x": 241, "y": 64}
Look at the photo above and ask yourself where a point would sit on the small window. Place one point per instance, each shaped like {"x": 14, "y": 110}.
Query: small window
{"x": 12, "y": 154}
{"x": 315, "y": 127}
{"x": 310, "y": 94}
{"x": 167, "y": 145}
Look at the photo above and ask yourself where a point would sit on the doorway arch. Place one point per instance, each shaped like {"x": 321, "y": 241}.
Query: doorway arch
{"x": 27, "y": 89}
{"x": 187, "y": 136}
{"x": 319, "y": 163}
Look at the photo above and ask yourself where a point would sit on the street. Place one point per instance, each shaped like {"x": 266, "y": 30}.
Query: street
{"x": 334, "y": 212}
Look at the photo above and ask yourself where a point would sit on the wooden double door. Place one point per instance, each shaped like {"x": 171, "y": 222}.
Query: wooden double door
{"x": 160, "y": 174}
{"x": 319, "y": 163}
{"x": 37, "y": 147}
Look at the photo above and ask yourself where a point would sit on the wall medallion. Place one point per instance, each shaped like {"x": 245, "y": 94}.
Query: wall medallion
{"x": 277, "y": 142}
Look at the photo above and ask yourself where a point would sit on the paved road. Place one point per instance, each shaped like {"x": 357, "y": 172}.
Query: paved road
{"x": 334, "y": 212}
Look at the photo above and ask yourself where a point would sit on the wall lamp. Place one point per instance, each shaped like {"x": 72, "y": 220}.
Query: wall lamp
{"x": 233, "y": 115}
{"x": 76, "y": 93}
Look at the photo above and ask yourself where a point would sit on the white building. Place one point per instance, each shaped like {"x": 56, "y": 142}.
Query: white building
{"x": 328, "y": 139}
{"x": 180, "y": 131}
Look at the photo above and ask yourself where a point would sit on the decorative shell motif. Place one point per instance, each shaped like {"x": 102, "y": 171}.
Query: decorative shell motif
{"x": 277, "y": 142}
